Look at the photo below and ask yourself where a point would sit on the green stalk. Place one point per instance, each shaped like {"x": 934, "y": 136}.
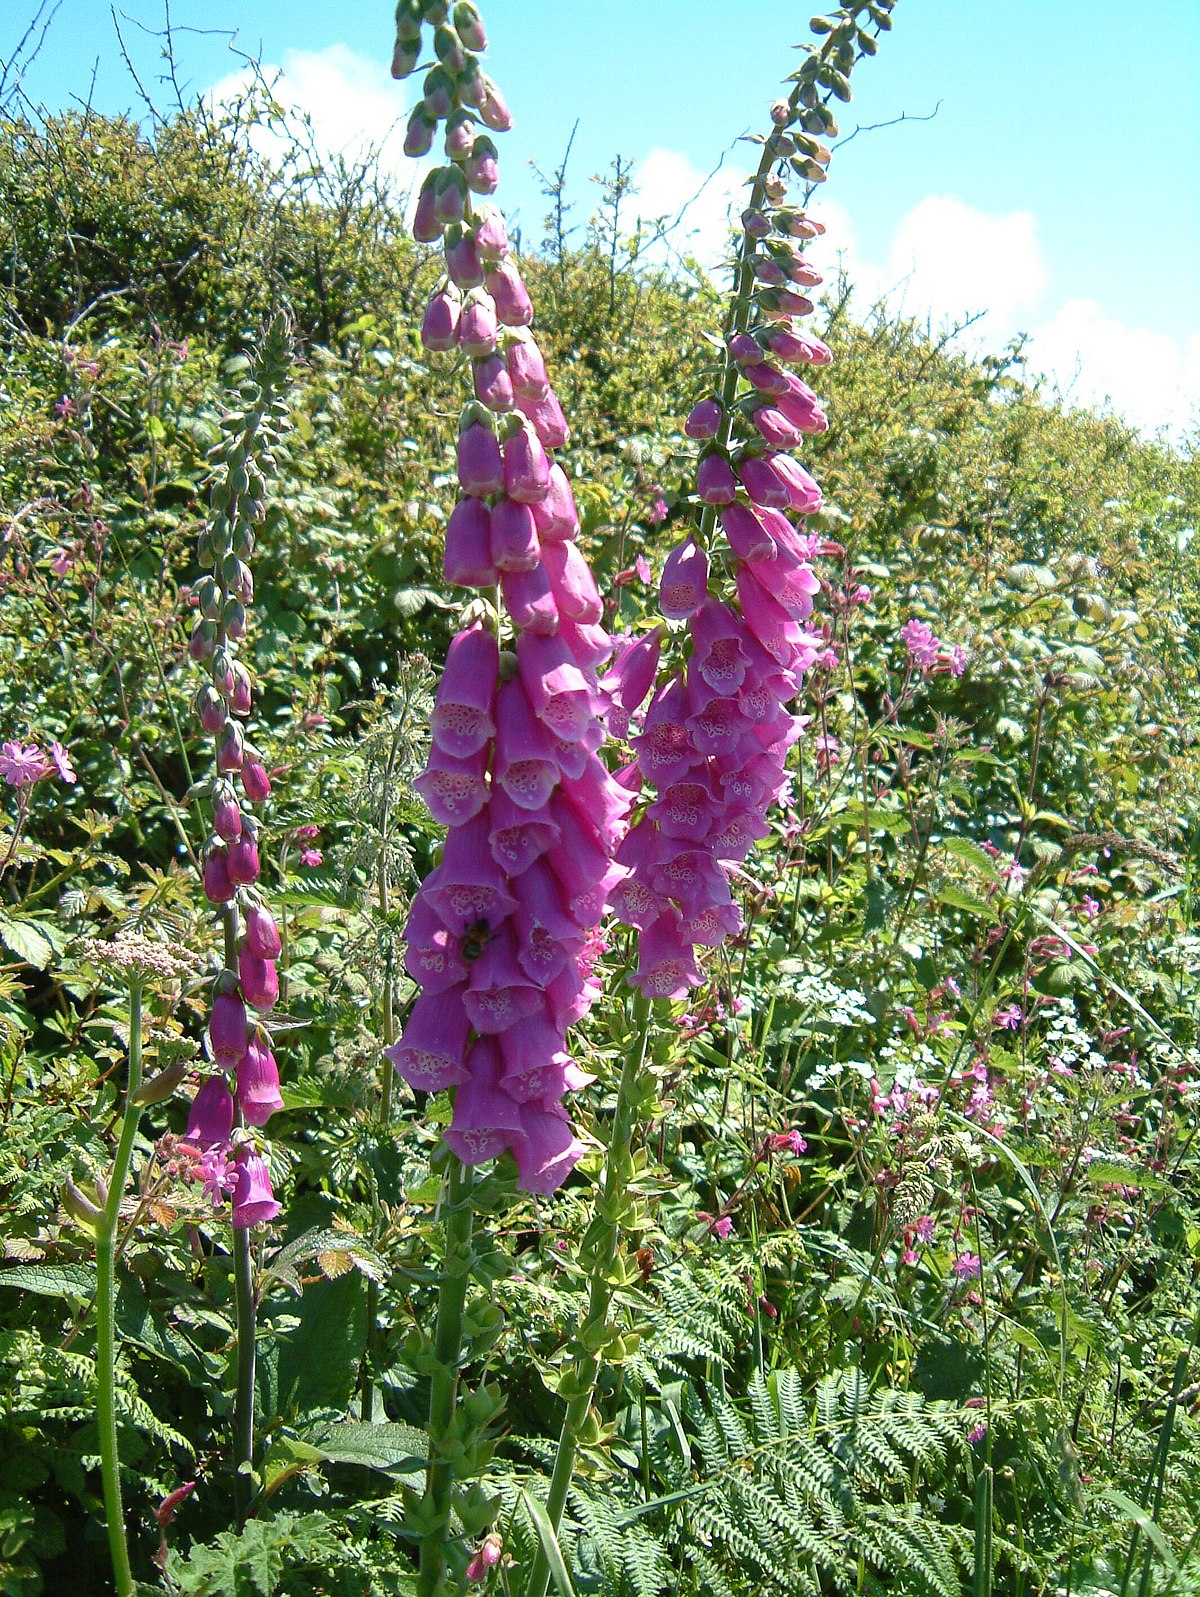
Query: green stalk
{"x": 106, "y": 1307}
{"x": 443, "y": 1390}
{"x": 608, "y": 1209}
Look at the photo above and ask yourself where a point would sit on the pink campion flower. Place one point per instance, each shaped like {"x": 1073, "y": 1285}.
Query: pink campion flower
{"x": 62, "y": 562}
{"x": 923, "y": 1230}
{"x": 1089, "y": 908}
{"x": 1014, "y": 874}
{"x": 64, "y": 406}
{"x": 967, "y": 1267}
{"x": 785, "y": 1142}
{"x": 1010, "y": 1018}
{"x": 657, "y": 513}
{"x": 828, "y": 752}
{"x": 721, "y": 1227}
{"x": 921, "y": 644}
{"x": 23, "y": 764}
{"x": 977, "y": 1433}
{"x": 217, "y": 1173}
{"x": 956, "y": 660}
{"x": 311, "y": 856}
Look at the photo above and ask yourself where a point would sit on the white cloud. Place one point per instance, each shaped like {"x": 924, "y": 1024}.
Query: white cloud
{"x": 948, "y": 260}
{"x": 351, "y": 102}
{"x": 668, "y": 186}
{"x": 1094, "y": 359}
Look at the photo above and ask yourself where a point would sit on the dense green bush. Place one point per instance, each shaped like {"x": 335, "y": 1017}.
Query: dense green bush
{"x": 802, "y": 1405}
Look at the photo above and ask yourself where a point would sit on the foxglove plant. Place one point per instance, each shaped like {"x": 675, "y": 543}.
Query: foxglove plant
{"x": 502, "y": 935}
{"x": 713, "y": 743}
{"x": 236, "y": 1099}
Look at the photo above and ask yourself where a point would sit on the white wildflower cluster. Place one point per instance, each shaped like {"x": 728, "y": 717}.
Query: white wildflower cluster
{"x": 1068, "y": 1044}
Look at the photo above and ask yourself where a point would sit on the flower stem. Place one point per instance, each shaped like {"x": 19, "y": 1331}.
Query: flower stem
{"x": 244, "y": 1305}
{"x": 106, "y": 1307}
{"x": 608, "y": 1210}
{"x": 452, "y": 1297}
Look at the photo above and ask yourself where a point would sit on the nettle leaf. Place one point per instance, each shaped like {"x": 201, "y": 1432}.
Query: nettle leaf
{"x": 962, "y": 848}
{"x": 28, "y": 940}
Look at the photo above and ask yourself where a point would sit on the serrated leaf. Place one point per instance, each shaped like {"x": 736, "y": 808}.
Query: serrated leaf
{"x": 335, "y": 1262}
{"x": 391, "y": 1447}
{"x": 27, "y": 940}
{"x": 962, "y": 848}
{"x": 52, "y": 1280}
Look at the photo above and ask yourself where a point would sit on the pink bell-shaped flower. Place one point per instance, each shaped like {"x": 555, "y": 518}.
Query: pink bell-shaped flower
{"x": 253, "y": 1200}
{"x": 258, "y": 1093}
{"x": 431, "y": 1052}
{"x": 210, "y": 1119}
{"x": 461, "y": 722}
{"x": 467, "y": 558}
{"x": 228, "y": 1031}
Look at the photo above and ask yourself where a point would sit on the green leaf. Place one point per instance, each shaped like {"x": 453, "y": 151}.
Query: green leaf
{"x": 959, "y": 898}
{"x": 962, "y": 848}
{"x": 397, "y": 1449}
{"x": 52, "y": 1280}
{"x": 27, "y": 940}
{"x": 550, "y": 1545}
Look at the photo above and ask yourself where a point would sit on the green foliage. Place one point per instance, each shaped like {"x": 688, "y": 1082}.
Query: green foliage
{"x": 787, "y": 1409}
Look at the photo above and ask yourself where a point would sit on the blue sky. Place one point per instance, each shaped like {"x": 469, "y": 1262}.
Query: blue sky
{"x": 1055, "y": 187}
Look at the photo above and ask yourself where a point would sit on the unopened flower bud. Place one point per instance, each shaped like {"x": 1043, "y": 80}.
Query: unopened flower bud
{"x": 781, "y": 113}
{"x": 418, "y": 137}
{"x": 704, "y": 420}
{"x": 218, "y": 889}
{"x": 404, "y": 58}
{"x": 204, "y": 636}
{"x": 227, "y": 817}
{"x": 460, "y": 135}
{"x": 233, "y": 619}
{"x": 439, "y": 330}
{"x": 755, "y": 223}
{"x": 463, "y": 266}
{"x": 425, "y": 226}
{"x": 491, "y": 237}
{"x": 447, "y": 46}
{"x": 492, "y": 108}
{"x": 240, "y": 698}
{"x": 493, "y": 385}
{"x": 480, "y": 466}
{"x": 438, "y": 101}
{"x": 478, "y": 329}
{"x": 255, "y": 783}
{"x": 231, "y": 743}
{"x": 513, "y": 305}
{"x": 228, "y": 1031}
{"x": 482, "y": 168}
{"x": 715, "y": 482}
{"x": 262, "y": 934}
{"x": 243, "y": 858}
{"x": 210, "y": 709}
{"x": 259, "y": 980}
{"x": 449, "y": 196}
{"x": 469, "y": 25}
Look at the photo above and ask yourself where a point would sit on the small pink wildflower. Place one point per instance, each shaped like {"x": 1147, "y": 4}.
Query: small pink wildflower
{"x": 828, "y": 752}
{"x": 924, "y": 1228}
{"x": 64, "y": 406}
{"x": 721, "y": 1227}
{"x": 1090, "y": 907}
{"x": 311, "y": 856}
{"x": 1014, "y": 874}
{"x": 978, "y": 1433}
{"x": 786, "y": 1142}
{"x": 62, "y": 761}
{"x": 218, "y": 1173}
{"x": 967, "y": 1267}
{"x": 1009, "y": 1019}
{"x": 642, "y": 567}
{"x": 306, "y": 834}
{"x": 956, "y": 660}
{"x": 62, "y": 562}
{"x": 23, "y": 764}
{"x": 658, "y": 510}
{"x": 921, "y": 644}
{"x": 909, "y": 1257}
